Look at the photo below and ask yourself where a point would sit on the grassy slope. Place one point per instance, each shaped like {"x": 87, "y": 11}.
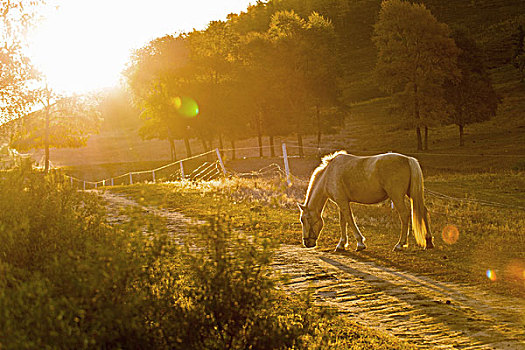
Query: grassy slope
{"x": 489, "y": 237}
{"x": 208, "y": 200}
{"x": 505, "y": 134}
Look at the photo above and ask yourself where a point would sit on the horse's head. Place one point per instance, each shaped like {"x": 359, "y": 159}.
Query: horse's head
{"x": 312, "y": 223}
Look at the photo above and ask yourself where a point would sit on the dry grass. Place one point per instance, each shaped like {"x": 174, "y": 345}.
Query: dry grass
{"x": 490, "y": 235}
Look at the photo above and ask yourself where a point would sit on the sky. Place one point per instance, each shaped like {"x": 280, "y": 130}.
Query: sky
{"x": 84, "y": 45}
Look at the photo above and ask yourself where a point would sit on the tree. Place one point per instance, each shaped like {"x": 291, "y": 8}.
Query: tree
{"x": 62, "y": 122}
{"x": 472, "y": 97}
{"x": 518, "y": 59}
{"x": 117, "y": 111}
{"x": 162, "y": 120}
{"x": 415, "y": 56}
{"x": 257, "y": 86}
{"x": 160, "y": 75}
{"x": 214, "y": 54}
{"x": 15, "y": 68}
{"x": 287, "y": 33}
{"x": 322, "y": 69}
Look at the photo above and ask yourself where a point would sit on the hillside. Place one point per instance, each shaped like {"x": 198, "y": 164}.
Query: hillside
{"x": 492, "y": 23}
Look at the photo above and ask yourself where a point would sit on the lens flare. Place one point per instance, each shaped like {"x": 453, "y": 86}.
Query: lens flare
{"x": 186, "y": 106}
{"x": 491, "y": 275}
{"x": 515, "y": 271}
{"x": 177, "y": 102}
{"x": 450, "y": 234}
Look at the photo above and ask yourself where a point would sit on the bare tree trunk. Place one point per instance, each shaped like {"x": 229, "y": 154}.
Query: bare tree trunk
{"x": 46, "y": 142}
{"x": 172, "y": 150}
{"x": 318, "y": 114}
{"x": 259, "y": 138}
{"x": 419, "y": 140}
{"x": 204, "y": 144}
{"x": 417, "y": 117}
{"x": 259, "y": 133}
{"x": 461, "y": 134}
{"x": 300, "y": 143}
{"x": 188, "y": 147}
{"x": 426, "y": 139}
{"x": 272, "y": 146}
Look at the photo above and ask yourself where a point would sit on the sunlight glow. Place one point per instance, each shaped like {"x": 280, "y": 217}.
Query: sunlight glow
{"x": 515, "y": 271}
{"x": 450, "y": 234}
{"x": 84, "y": 45}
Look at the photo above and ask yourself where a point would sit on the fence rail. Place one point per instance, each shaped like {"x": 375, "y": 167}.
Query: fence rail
{"x": 206, "y": 171}
{"x": 212, "y": 169}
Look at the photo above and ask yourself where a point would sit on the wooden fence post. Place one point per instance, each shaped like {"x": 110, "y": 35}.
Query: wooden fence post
{"x": 182, "y": 170}
{"x": 220, "y": 161}
{"x": 153, "y": 175}
{"x": 131, "y": 178}
{"x": 286, "y": 166}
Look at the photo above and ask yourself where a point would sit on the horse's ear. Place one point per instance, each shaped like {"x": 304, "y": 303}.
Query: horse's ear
{"x": 302, "y": 207}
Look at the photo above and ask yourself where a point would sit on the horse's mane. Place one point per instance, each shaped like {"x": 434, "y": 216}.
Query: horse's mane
{"x": 319, "y": 170}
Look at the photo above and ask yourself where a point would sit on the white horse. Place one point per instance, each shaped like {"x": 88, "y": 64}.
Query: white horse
{"x": 345, "y": 178}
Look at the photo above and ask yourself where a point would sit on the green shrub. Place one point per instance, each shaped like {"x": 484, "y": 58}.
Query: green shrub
{"x": 66, "y": 277}
{"x": 225, "y": 296}
{"x": 68, "y": 280}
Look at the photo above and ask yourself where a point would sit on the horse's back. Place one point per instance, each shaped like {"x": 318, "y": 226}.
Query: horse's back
{"x": 370, "y": 179}
{"x": 394, "y": 171}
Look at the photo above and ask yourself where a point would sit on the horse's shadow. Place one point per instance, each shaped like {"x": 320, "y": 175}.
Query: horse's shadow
{"x": 437, "y": 300}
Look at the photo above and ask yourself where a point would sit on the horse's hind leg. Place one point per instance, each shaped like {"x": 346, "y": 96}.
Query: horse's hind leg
{"x": 343, "y": 241}
{"x": 346, "y": 213}
{"x": 429, "y": 239}
{"x": 404, "y": 216}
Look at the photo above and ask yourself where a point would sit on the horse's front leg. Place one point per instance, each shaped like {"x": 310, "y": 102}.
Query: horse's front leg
{"x": 348, "y": 216}
{"x": 343, "y": 242}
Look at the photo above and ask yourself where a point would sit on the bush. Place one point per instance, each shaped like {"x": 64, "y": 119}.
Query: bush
{"x": 225, "y": 296}
{"x": 66, "y": 277}
{"x": 68, "y": 280}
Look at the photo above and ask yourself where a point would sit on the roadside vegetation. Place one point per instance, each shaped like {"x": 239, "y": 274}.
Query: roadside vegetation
{"x": 68, "y": 280}
{"x": 484, "y": 212}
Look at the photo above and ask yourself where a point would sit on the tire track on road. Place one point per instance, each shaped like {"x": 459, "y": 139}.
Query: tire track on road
{"x": 416, "y": 308}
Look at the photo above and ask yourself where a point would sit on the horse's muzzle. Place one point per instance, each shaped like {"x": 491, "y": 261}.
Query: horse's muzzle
{"x": 309, "y": 243}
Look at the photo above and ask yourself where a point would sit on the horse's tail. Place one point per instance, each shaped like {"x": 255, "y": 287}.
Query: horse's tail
{"x": 420, "y": 224}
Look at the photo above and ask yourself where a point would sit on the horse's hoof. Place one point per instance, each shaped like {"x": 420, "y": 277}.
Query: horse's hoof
{"x": 360, "y": 247}
{"x": 430, "y": 243}
{"x": 400, "y": 247}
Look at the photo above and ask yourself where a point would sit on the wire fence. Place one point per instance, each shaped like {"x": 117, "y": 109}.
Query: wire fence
{"x": 212, "y": 167}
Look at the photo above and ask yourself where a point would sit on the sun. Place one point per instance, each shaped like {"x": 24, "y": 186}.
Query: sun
{"x": 77, "y": 50}
{"x": 81, "y": 46}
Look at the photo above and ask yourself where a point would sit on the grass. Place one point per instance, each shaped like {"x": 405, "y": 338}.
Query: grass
{"x": 490, "y": 237}
{"x": 491, "y": 146}
{"x": 70, "y": 281}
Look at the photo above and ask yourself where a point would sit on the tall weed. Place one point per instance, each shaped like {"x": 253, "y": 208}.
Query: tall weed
{"x": 70, "y": 281}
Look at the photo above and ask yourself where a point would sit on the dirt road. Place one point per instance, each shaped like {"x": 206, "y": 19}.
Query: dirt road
{"x": 419, "y": 309}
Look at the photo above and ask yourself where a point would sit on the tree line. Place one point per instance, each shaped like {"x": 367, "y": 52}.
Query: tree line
{"x": 287, "y": 67}
{"x": 271, "y": 71}
{"x": 264, "y": 83}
